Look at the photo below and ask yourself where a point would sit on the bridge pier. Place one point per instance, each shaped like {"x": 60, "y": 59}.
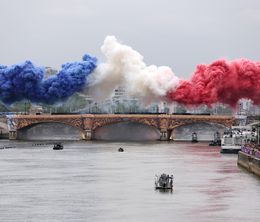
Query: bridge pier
{"x": 165, "y": 134}
{"x": 12, "y": 135}
{"x": 86, "y": 135}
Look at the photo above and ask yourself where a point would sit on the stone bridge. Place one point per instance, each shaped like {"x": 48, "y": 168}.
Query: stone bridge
{"x": 88, "y": 123}
{"x": 3, "y": 123}
{"x": 3, "y": 128}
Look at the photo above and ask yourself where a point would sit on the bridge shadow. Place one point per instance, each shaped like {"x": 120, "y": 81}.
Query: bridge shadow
{"x": 126, "y": 131}
{"x": 49, "y": 131}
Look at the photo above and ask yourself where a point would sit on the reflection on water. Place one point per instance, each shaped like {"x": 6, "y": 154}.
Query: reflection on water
{"x": 94, "y": 182}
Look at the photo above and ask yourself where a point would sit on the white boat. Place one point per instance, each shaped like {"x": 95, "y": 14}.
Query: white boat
{"x": 234, "y": 138}
{"x": 231, "y": 142}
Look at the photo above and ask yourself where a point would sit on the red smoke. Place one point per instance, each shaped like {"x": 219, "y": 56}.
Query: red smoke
{"x": 220, "y": 82}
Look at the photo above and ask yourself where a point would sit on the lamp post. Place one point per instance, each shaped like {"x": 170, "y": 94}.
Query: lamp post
{"x": 258, "y": 126}
{"x": 24, "y": 107}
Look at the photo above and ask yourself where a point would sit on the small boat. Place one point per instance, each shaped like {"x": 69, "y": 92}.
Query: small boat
{"x": 120, "y": 149}
{"x": 216, "y": 141}
{"x": 7, "y": 147}
{"x": 58, "y": 146}
{"x": 194, "y": 137}
{"x": 164, "y": 182}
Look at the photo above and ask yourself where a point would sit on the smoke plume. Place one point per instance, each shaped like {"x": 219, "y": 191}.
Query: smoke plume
{"x": 25, "y": 81}
{"x": 125, "y": 67}
{"x": 220, "y": 82}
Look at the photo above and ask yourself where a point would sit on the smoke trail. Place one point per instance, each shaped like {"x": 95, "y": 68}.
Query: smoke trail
{"x": 25, "y": 81}
{"x": 125, "y": 67}
{"x": 220, "y": 82}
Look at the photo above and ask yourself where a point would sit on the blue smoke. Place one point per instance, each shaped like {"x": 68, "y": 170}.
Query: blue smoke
{"x": 26, "y": 81}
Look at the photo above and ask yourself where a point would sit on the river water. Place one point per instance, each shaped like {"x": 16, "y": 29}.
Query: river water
{"x": 91, "y": 181}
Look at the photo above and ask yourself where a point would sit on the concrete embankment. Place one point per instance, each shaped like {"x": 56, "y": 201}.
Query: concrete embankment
{"x": 251, "y": 163}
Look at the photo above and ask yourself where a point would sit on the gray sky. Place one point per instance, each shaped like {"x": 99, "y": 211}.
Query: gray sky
{"x": 179, "y": 34}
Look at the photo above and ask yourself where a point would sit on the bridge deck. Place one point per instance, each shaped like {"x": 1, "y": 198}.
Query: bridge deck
{"x": 48, "y": 116}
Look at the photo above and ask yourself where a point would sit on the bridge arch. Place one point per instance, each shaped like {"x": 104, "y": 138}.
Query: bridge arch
{"x": 205, "y": 130}
{"x": 3, "y": 126}
{"x": 3, "y": 130}
{"x": 50, "y": 130}
{"x": 126, "y": 131}
{"x": 203, "y": 122}
{"x": 101, "y": 122}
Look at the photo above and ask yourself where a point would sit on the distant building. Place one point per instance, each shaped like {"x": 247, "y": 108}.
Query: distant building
{"x": 120, "y": 93}
{"x": 120, "y": 102}
{"x": 36, "y": 110}
{"x": 246, "y": 107}
{"x": 49, "y": 72}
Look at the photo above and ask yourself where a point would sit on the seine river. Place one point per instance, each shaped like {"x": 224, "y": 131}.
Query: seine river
{"x": 92, "y": 181}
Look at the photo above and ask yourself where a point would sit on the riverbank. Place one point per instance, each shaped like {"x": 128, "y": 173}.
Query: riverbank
{"x": 93, "y": 180}
{"x": 249, "y": 161}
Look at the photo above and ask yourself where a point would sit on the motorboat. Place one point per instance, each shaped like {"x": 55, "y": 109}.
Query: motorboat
{"x": 216, "y": 141}
{"x": 120, "y": 149}
{"x": 231, "y": 142}
{"x": 164, "y": 182}
{"x": 7, "y": 147}
{"x": 235, "y": 138}
{"x": 58, "y": 146}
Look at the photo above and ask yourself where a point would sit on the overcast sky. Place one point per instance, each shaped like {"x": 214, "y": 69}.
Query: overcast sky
{"x": 176, "y": 33}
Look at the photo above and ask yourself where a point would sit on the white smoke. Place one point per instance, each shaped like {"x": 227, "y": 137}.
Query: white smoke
{"x": 125, "y": 67}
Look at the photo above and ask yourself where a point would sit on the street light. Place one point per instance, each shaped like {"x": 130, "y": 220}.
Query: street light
{"x": 257, "y": 135}
{"x": 24, "y": 107}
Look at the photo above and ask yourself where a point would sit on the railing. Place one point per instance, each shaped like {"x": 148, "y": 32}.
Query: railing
{"x": 247, "y": 150}
{"x": 253, "y": 151}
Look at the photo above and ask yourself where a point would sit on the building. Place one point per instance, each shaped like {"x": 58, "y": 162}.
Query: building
{"x": 49, "y": 72}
